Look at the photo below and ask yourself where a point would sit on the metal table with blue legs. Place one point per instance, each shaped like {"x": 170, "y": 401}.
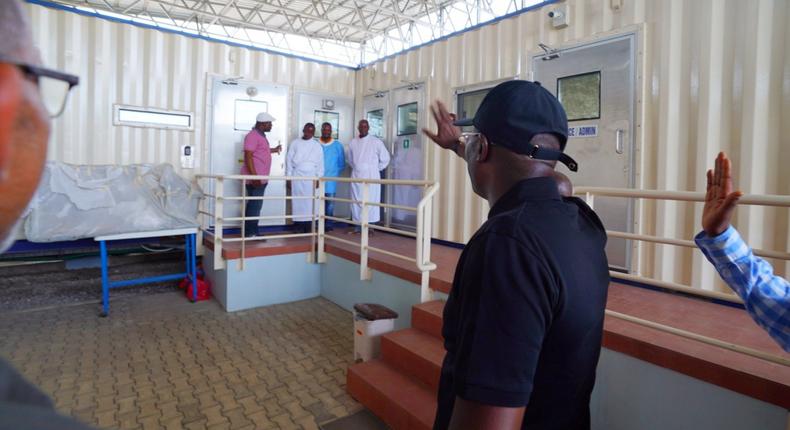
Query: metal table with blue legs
{"x": 191, "y": 262}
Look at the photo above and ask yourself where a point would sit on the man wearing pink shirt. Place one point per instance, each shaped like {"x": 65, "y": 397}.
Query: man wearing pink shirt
{"x": 257, "y": 161}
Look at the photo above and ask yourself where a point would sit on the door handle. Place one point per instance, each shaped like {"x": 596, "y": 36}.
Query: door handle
{"x": 619, "y": 144}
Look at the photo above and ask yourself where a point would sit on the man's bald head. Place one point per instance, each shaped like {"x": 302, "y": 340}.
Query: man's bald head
{"x": 16, "y": 40}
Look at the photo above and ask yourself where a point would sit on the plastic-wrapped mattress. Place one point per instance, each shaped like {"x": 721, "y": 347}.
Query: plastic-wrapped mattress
{"x": 75, "y": 202}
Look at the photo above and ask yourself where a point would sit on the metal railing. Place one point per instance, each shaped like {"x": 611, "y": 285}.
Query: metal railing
{"x": 589, "y": 193}
{"x": 422, "y": 233}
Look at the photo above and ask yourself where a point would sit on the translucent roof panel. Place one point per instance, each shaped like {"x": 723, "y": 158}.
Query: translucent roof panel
{"x": 344, "y": 32}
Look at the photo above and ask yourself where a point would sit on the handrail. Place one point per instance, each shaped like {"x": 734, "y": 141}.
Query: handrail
{"x": 422, "y": 234}
{"x": 687, "y": 196}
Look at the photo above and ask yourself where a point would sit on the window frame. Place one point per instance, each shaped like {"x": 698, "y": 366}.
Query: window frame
{"x": 600, "y": 83}
{"x": 116, "y": 118}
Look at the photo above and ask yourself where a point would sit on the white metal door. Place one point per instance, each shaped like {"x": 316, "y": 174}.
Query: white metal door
{"x": 318, "y": 108}
{"x": 375, "y": 109}
{"x": 407, "y": 153}
{"x": 234, "y": 105}
{"x": 596, "y": 85}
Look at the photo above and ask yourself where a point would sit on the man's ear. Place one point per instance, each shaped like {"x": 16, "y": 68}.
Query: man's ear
{"x": 483, "y": 149}
{"x": 10, "y": 99}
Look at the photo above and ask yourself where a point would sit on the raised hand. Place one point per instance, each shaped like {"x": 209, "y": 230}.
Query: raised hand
{"x": 720, "y": 200}
{"x": 447, "y": 134}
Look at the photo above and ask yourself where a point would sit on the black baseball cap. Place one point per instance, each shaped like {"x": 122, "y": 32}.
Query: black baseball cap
{"x": 515, "y": 111}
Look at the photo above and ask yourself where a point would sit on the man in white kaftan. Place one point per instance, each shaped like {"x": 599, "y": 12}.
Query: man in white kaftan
{"x": 305, "y": 158}
{"x": 367, "y": 157}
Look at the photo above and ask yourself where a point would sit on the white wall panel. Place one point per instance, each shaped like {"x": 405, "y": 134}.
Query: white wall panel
{"x": 716, "y": 76}
{"x": 124, "y": 64}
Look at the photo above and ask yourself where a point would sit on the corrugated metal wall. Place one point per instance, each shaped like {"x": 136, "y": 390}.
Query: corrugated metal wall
{"x": 716, "y": 77}
{"x": 125, "y": 64}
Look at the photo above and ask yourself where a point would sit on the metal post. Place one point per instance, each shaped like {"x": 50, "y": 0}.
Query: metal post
{"x": 202, "y": 224}
{"x": 321, "y": 257}
{"x": 193, "y": 260}
{"x": 243, "y": 223}
{"x": 219, "y": 262}
{"x": 590, "y": 199}
{"x": 426, "y": 293}
{"x": 364, "y": 272}
{"x": 105, "y": 280}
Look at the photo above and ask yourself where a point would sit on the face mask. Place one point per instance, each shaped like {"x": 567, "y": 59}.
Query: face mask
{"x": 11, "y": 238}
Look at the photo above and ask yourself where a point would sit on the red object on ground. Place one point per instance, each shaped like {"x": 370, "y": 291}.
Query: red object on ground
{"x": 203, "y": 288}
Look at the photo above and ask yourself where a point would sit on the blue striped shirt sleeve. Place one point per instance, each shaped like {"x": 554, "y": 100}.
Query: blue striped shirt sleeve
{"x": 766, "y": 296}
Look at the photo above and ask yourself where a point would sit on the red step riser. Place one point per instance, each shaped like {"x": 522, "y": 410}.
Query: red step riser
{"x": 426, "y": 321}
{"x": 410, "y": 363}
{"x": 387, "y": 409}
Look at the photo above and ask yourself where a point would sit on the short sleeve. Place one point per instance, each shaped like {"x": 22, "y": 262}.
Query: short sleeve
{"x": 250, "y": 143}
{"x": 507, "y": 313}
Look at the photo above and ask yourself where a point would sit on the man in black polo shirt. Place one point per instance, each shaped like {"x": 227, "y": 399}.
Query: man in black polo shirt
{"x": 523, "y": 323}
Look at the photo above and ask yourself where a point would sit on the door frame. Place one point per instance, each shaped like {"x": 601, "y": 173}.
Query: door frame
{"x": 422, "y": 110}
{"x": 641, "y": 93}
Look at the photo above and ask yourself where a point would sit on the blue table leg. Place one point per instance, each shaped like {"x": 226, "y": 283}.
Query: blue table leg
{"x": 193, "y": 256}
{"x": 105, "y": 280}
{"x": 192, "y": 263}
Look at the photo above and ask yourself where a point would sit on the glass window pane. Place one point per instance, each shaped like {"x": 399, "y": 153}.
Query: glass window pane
{"x": 245, "y": 112}
{"x": 376, "y": 122}
{"x": 407, "y": 119}
{"x": 580, "y": 95}
{"x": 143, "y": 117}
{"x": 331, "y": 117}
{"x": 468, "y": 103}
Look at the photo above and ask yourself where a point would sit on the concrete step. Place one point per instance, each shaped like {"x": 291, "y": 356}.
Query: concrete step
{"x": 415, "y": 353}
{"x": 428, "y": 317}
{"x": 403, "y": 403}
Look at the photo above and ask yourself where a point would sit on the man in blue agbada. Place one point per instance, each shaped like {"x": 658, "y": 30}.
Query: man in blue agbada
{"x": 334, "y": 163}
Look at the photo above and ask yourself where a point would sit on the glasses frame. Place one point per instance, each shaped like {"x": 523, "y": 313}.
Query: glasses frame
{"x": 39, "y": 72}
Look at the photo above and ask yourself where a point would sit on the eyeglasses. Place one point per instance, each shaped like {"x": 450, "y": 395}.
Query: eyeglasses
{"x": 470, "y": 138}
{"x": 53, "y": 86}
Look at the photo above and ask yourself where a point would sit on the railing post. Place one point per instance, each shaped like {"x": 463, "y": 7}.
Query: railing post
{"x": 321, "y": 256}
{"x": 590, "y": 199}
{"x": 426, "y": 293}
{"x": 243, "y": 223}
{"x": 364, "y": 272}
{"x": 219, "y": 262}
{"x": 202, "y": 223}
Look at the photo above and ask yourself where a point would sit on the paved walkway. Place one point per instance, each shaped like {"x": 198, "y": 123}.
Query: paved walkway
{"x": 162, "y": 362}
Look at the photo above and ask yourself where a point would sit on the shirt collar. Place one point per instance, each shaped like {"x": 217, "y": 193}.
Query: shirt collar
{"x": 259, "y": 132}
{"x": 543, "y": 188}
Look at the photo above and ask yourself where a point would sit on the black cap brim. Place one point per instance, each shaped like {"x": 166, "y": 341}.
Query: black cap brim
{"x": 464, "y": 122}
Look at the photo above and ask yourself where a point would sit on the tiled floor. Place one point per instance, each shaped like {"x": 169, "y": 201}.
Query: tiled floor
{"x": 162, "y": 362}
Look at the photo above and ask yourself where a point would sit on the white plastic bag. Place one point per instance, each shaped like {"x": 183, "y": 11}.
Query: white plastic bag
{"x": 75, "y": 202}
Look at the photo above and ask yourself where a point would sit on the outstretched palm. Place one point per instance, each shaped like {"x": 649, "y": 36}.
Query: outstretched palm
{"x": 447, "y": 133}
{"x": 720, "y": 200}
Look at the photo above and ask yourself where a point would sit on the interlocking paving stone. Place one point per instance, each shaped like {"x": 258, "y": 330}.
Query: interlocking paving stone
{"x": 161, "y": 362}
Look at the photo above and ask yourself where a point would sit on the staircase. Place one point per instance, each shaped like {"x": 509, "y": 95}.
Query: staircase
{"x": 400, "y": 387}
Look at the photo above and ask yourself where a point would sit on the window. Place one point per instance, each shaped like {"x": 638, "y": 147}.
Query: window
{"x": 407, "y": 119}
{"x": 149, "y": 117}
{"x": 580, "y": 95}
{"x": 244, "y": 113}
{"x": 330, "y": 117}
{"x": 376, "y": 122}
{"x": 468, "y": 103}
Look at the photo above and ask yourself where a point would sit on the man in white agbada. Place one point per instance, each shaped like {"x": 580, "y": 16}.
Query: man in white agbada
{"x": 305, "y": 158}
{"x": 367, "y": 157}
